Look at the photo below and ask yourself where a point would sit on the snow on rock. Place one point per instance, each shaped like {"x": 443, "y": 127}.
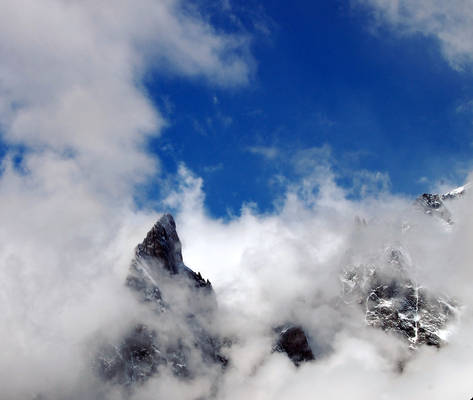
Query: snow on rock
{"x": 182, "y": 302}
{"x": 394, "y": 302}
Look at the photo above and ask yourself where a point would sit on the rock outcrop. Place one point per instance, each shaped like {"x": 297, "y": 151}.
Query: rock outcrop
{"x": 180, "y": 299}
{"x": 293, "y": 341}
{"x": 394, "y": 302}
{"x": 434, "y": 204}
{"x": 391, "y": 298}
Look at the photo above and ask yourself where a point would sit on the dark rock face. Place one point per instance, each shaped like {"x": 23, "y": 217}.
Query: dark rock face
{"x": 395, "y": 303}
{"x": 293, "y": 341}
{"x": 135, "y": 359}
{"x": 161, "y": 250}
{"x": 434, "y": 204}
{"x": 181, "y": 299}
{"x": 162, "y": 244}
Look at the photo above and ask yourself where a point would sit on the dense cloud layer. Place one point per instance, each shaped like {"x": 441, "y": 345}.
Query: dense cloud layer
{"x": 270, "y": 269}
{"x": 76, "y": 120}
{"x": 266, "y": 270}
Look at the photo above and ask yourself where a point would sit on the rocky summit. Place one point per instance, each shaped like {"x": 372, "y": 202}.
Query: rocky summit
{"x": 175, "y": 294}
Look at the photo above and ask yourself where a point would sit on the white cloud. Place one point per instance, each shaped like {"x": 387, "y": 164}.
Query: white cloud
{"x": 70, "y": 77}
{"x": 451, "y": 23}
{"x": 370, "y": 183}
{"x": 268, "y": 269}
{"x": 72, "y": 102}
{"x": 70, "y": 90}
{"x": 268, "y": 152}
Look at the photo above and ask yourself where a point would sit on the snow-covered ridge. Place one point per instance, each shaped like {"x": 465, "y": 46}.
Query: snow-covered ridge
{"x": 434, "y": 204}
{"x": 396, "y": 303}
{"x": 391, "y": 298}
{"x": 456, "y": 193}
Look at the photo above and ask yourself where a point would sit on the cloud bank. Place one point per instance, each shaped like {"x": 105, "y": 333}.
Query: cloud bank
{"x": 271, "y": 269}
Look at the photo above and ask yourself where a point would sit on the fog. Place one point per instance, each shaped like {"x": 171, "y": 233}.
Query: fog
{"x": 266, "y": 270}
{"x": 286, "y": 267}
{"x": 75, "y": 120}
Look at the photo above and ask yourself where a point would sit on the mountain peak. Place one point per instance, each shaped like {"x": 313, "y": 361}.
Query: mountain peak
{"x": 156, "y": 272}
{"x": 162, "y": 243}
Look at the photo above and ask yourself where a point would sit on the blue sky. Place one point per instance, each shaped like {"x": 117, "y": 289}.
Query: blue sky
{"x": 322, "y": 75}
{"x": 239, "y": 92}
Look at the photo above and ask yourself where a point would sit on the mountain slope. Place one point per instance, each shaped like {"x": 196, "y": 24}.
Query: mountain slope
{"x": 391, "y": 298}
{"x": 180, "y": 299}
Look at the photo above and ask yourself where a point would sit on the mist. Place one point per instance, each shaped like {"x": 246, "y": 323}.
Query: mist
{"x": 76, "y": 120}
{"x": 266, "y": 270}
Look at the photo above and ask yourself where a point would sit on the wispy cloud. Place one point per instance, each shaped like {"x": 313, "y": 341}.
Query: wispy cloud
{"x": 451, "y": 23}
{"x": 268, "y": 152}
{"x": 209, "y": 169}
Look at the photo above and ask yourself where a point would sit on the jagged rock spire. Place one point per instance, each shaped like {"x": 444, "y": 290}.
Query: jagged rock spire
{"x": 162, "y": 243}
{"x": 157, "y": 265}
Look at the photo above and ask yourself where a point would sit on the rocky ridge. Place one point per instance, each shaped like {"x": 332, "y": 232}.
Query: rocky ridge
{"x": 391, "y": 298}
{"x": 394, "y": 302}
{"x": 383, "y": 287}
{"x": 434, "y": 204}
